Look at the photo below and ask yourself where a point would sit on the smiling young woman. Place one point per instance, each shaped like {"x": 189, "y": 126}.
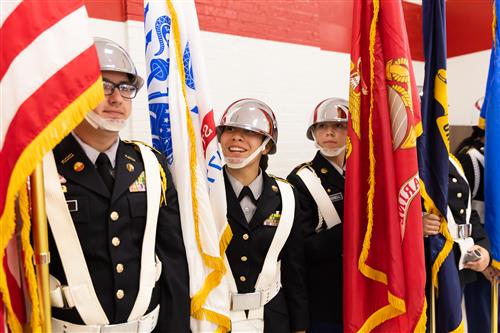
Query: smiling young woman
{"x": 265, "y": 255}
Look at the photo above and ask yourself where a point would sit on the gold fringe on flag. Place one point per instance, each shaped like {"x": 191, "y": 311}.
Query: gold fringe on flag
{"x": 216, "y": 263}
{"x": 48, "y": 138}
{"x": 396, "y": 305}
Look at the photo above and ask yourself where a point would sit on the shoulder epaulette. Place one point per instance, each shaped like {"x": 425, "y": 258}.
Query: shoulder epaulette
{"x": 302, "y": 166}
{"x": 280, "y": 179}
{"x": 136, "y": 142}
{"x": 464, "y": 150}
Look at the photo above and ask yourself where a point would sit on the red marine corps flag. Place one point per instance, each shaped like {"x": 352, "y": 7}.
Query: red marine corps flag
{"x": 384, "y": 269}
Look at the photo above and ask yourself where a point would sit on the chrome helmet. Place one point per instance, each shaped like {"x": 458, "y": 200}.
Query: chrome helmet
{"x": 329, "y": 110}
{"x": 112, "y": 57}
{"x": 253, "y": 115}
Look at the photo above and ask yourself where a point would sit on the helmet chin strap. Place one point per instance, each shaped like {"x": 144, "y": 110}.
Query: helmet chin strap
{"x": 328, "y": 152}
{"x": 239, "y": 163}
{"x": 112, "y": 125}
{"x": 332, "y": 152}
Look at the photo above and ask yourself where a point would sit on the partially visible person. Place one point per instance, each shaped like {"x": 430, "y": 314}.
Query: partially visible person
{"x": 118, "y": 261}
{"x": 469, "y": 235}
{"x": 320, "y": 184}
{"x": 470, "y": 153}
{"x": 265, "y": 255}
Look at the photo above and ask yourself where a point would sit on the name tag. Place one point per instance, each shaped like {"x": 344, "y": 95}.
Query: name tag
{"x": 336, "y": 197}
{"x": 72, "y": 205}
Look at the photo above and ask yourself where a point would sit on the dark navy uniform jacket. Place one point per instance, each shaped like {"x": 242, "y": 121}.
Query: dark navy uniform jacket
{"x": 458, "y": 200}
{"x": 246, "y": 252}
{"x": 323, "y": 249}
{"x": 96, "y": 229}
{"x": 466, "y": 162}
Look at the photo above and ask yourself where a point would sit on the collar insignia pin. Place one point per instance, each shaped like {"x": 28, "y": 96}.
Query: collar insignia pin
{"x": 78, "y": 166}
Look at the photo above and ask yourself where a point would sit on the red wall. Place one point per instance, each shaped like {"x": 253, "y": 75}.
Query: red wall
{"x": 325, "y": 24}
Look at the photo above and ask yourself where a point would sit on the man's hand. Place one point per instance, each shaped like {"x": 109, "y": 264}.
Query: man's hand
{"x": 481, "y": 264}
{"x": 431, "y": 224}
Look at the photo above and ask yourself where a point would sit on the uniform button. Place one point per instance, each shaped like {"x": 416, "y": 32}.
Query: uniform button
{"x": 462, "y": 211}
{"x": 119, "y": 268}
{"x": 245, "y": 237}
{"x": 247, "y": 209}
{"x": 329, "y": 190}
{"x": 115, "y": 241}
{"x": 459, "y": 195}
{"x": 114, "y": 216}
{"x": 324, "y": 170}
{"x": 454, "y": 180}
{"x": 243, "y": 278}
{"x": 244, "y": 258}
{"x": 120, "y": 294}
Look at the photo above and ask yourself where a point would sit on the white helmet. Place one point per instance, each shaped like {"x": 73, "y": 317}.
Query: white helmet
{"x": 253, "y": 115}
{"x": 112, "y": 57}
{"x": 329, "y": 110}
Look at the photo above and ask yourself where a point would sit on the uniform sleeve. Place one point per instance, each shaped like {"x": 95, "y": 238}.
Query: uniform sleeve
{"x": 293, "y": 271}
{"x": 174, "y": 281}
{"x": 478, "y": 233}
{"x": 319, "y": 246}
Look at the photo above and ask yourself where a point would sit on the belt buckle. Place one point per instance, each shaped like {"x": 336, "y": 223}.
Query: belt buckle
{"x": 464, "y": 230}
{"x": 247, "y": 301}
{"x": 131, "y": 326}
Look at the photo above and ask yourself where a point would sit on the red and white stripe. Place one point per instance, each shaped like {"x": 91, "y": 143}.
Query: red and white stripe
{"x": 47, "y": 61}
{"x": 49, "y": 79}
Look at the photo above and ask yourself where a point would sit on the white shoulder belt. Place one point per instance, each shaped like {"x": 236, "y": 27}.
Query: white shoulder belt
{"x": 477, "y": 158}
{"x": 325, "y": 205}
{"x": 80, "y": 290}
{"x": 269, "y": 281}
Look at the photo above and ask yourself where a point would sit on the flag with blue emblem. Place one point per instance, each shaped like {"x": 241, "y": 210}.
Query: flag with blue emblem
{"x": 490, "y": 121}
{"x": 183, "y": 128}
{"x": 433, "y": 151}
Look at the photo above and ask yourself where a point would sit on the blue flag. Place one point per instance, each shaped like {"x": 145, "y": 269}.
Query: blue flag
{"x": 490, "y": 118}
{"x": 433, "y": 151}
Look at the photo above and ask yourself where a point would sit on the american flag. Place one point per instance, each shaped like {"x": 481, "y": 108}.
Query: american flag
{"x": 49, "y": 80}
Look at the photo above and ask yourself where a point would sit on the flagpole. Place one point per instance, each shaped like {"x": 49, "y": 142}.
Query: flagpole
{"x": 41, "y": 240}
{"x": 494, "y": 305}
{"x": 433, "y": 309}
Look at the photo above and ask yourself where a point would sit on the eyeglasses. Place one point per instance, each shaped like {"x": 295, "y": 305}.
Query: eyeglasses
{"x": 126, "y": 90}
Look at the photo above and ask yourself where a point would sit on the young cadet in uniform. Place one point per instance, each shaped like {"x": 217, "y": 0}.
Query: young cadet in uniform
{"x": 320, "y": 184}
{"x": 118, "y": 258}
{"x": 265, "y": 255}
{"x": 465, "y": 228}
{"x": 477, "y": 294}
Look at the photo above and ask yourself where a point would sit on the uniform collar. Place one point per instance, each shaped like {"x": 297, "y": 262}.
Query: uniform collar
{"x": 255, "y": 186}
{"x": 93, "y": 153}
{"x": 340, "y": 169}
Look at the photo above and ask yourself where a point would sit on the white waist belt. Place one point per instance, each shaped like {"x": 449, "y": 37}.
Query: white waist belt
{"x": 258, "y": 299}
{"x": 460, "y": 231}
{"x": 145, "y": 324}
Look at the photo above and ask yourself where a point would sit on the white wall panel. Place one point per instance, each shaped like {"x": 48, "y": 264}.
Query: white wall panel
{"x": 291, "y": 78}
